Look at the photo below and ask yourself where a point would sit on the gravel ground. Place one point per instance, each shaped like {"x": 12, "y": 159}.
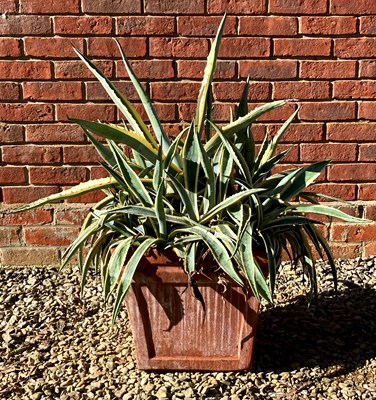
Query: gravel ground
{"x": 56, "y": 346}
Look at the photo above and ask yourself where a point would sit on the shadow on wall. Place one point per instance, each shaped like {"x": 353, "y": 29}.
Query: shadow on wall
{"x": 339, "y": 331}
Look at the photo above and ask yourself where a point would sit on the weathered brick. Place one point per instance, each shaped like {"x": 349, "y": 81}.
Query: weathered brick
{"x": 268, "y": 69}
{"x": 8, "y": 6}
{"x": 352, "y": 132}
{"x": 26, "y": 112}
{"x": 369, "y": 250}
{"x": 80, "y": 154}
{"x": 31, "y": 154}
{"x": 178, "y": 91}
{"x": 323, "y": 26}
{"x": 44, "y": 91}
{"x": 57, "y": 133}
{"x": 236, "y": 6}
{"x": 9, "y": 91}
{"x": 9, "y": 236}
{"x": 147, "y": 69}
{"x": 95, "y": 91}
{"x": 88, "y": 198}
{"x": 26, "y": 194}
{"x": 328, "y": 151}
{"x": 165, "y": 111}
{"x": 232, "y": 91}
{"x": 367, "y": 69}
{"x": 92, "y": 112}
{"x": 367, "y": 110}
{"x": 269, "y": 26}
{"x": 49, "y": 235}
{"x": 345, "y": 191}
{"x": 25, "y": 25}
{"x": 11, "y": 133}
{"x": 30, "y": 70}
{"x": 349, "y": 7}
{"x": 83, "y": 25}
{"x": 178, "y": 47}
{"x": 57, "y": 175}
{"x": 205, "y": 26}
{"x": 300, "y": 132}
{"x": 22, "y": 256}
{"x": 73, "y": 216}
{"x": 78, "y": 70}
{"x": 49, "y": 7}
{"x": 301, "y": 90}
{"x": 106, "y": 47}
{"x": 346, "y": 251}
{"x": 244, "y": 47}
{"x": 10, "y": 47}
{"x": 355, "y": 47}
{"x": 366, "y": 191}
{"x": 327, "y": 69}
{"x": 306, "y": 47}
{"x": 194, "y": 69}
{"x": 360, "y": 89}
{"x": 367, "y": 25}
{"x": 12, "y": 175}
{"x": 52, "y": 47}
{"x": 145, "y": 25}
{"x": 353, "y": 233}
{"x": 327, "y": 111}
{"x": 297, "y": 7}
{"x": 174, "y": 7}
{"x": 32, "y": 217}
{"x": 370, "y": 212}
{"x": 361, "y": 172}
{"x": 111, "y": 6}
{"x": 367, "y": 152}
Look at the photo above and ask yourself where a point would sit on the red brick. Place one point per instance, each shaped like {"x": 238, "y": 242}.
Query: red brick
{"x": 73, "y": 216}
{"x": 81, "y": 154}
{"x": 9, "y": 91}
{"x": 111, "y": 6}
{"x": 52, "y": 47}
{"x": 293, "y": 154}
{"x": 165, "y": 112}
{"x": 268, "y": 26}
{"x": 367, "y": 69}
{"x": 349, "y": 7}
{"x": 345, "y": 251}
{"x": 44, "y": 91}
{"x": 10, "y": 47}
{"x": 12, "y": 175}
{"x": 178, "y": 47}
{"x": 174, "y": 7}
{"x": 323, "y": 26}
{"x": 178, "y": 91}
{"x": 93, "y": 112}
{"x": 33, "y": 217}
{"x": 244, "y": 47}
{"x": 50, "y": 235}
{"x": 49, "y": 7}
{"x": 8, "y": 6}
{"x": 361, "y": 89}
{"x": 353, "y": 232}
{"x": 367, "y": 25}
{"x": 367, "y": 191}
{"x": 300, "y": 132}
{"x": 306, "y": 47}
{"x": 83, "y": 25}
{"x": 328, "y": 151}
{"x": 370, "y": 212}
{"x": 220, "y": 112}
{"x": 57, "y": 133}
{"x": 268, "y": 69}
{"x": 31, "y": 154}
{"x": 107, "y": 47}
{"x": 327, "y": 111}
{"x": 205, "y": 26}
{"x": 369, "y": 250}
{"x": 11, "y": 133}
{"x": 301, "y": 90}
{"x": 145, "y": 25}
{"x": 297, "y": 7}
{"x": 95, "y": 91}
{"x": 147, "y": 69}
{"x": 362, "y": 172}
{"x": 367, "y": 152}
{"x": 98, "y": 172}
{"x": 78, "y": 70}
{"x": 26, "y": 194}
{"x": 278, "y": 114}
{"x": 232, "y": 91}
{"x": 26, "y": 112}
{"x": 22, "y": 256}
{"x": 93, "y": 197}
{"x": 327, "y": 69}
{"x": 9, "y": 236}
{"x": 29, "y": 70}
{"x": 352, "y": 132}
{"x": 367, "y": 110}
{"x": 344, "y": 191}
{"x": 25, "y": 25}
{"x": 236, "y": 6}
{"x": 355, "y": 47}
{"x": 194, "y": 69}
{"x": 57, "y": 175}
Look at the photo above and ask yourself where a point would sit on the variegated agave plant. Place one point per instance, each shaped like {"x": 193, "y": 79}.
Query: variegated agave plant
{"x": 204, "y": 191}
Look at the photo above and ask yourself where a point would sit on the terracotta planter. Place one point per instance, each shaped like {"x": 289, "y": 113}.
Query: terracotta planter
{"x": 171, "y": 331}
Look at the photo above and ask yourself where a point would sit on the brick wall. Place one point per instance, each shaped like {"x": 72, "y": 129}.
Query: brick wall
{"x": 322, "y": 52}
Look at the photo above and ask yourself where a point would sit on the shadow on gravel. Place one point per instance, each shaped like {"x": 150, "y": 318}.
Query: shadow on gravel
{"x": 340, "y": 330}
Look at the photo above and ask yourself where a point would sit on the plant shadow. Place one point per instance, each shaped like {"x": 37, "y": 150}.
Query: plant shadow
{"x": 338, "y": 331}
